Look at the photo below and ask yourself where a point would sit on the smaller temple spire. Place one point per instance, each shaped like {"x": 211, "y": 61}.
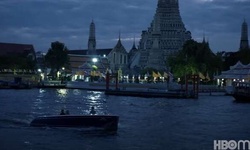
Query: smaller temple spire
{"x": 92, "y": 30}
{"x": 208, "y": 41}
{"x": 119, "y": 35}
{"x": 92, "y": 39}
{"x": 244, "y": 36}
{"x": 134, "y": 47}
{"x": 119, "y": 43}
{"x": 204, "y": 38}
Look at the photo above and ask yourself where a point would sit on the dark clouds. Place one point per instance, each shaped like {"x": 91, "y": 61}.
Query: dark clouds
{"x": 220, "y": 20}
{"x": 40, "y": 22}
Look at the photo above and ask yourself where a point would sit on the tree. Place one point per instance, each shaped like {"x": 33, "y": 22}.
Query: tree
{"x": 57, "y": 57}
{"x": 244, "y": 56}
{"x": 183, "y": 65}
{"x": 231, "y": 58}
{"x": 18, "y": 62}
{"x": 195, "y": 57}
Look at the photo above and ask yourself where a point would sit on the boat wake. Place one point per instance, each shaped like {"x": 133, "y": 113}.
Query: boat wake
{"x": 13, "y": 123}
{"x": 91, "y": 131}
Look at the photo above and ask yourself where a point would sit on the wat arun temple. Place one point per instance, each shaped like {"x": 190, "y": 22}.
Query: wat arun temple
{"x": 164, "y": 38}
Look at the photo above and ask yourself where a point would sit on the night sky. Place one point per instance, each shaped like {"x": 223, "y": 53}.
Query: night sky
{"x": 40, "y": 22}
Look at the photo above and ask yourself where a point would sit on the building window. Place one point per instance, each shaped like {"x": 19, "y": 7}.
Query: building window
{"x": 125, "y": 59}
{"x": 121, "y": 59}
{"x": 114, "y": 58}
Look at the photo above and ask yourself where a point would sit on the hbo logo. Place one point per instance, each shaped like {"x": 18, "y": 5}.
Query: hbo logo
{"x": 231, "y": 145}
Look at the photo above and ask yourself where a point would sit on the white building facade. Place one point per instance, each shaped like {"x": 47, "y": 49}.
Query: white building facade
{"x": 118, "y": 57}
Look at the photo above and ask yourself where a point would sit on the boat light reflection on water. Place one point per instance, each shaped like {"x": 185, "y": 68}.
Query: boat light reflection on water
{"x": 95, "y": 99}
{"x": 41, "y": 91}
{"x": 75, "y": 101}
{"x": 62, "y": 93}
{"x": 76, "y": 92}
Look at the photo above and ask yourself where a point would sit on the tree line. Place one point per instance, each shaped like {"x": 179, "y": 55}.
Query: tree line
{"x": 196, "y": 57}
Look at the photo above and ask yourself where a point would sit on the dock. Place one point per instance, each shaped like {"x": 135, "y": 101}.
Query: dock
{"x": 52, "y": 84}
{"x": 149, "y": 94}
{"x": 153, "y": 92}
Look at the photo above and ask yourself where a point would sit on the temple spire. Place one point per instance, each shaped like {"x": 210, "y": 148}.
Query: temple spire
{"x": 92, "y": 39}
{"x": 119, "y": 43}
{"x": 134, "y": 47}
{"x": 204, "y": 38}
{"x": 119, "y": 35}
{"x": 244, "y": 36}
{"x": 165, "y": 36}
{"x": 168, "y": 4}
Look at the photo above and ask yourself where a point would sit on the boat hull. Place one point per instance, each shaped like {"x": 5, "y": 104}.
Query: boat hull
{"x": 106, "y": 122}
{"x": 241, "y": 97}
{"x": 241, "y": 91}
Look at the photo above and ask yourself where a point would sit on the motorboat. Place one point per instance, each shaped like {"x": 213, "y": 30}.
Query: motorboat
{"x": 106, "y": 122}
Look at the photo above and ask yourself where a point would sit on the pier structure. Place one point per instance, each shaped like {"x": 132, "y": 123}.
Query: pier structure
{"x": 109, "y": 77}
{"x": 147, "y": 91}
{"x": 195, "y": 84}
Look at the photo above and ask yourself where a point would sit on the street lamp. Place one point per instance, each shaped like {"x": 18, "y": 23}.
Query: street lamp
{"x": 94, "y": 60}
{"x": 94, "y": 68}
{"x": 63, "y": 74}
{"x": 41, "y": 74}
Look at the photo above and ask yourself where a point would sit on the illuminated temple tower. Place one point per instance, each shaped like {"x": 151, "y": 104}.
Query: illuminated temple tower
{"x": 244, "y": 37}
{"x": 165, "y": 36}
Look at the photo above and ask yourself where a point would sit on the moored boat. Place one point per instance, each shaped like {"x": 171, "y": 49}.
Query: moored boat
{"x": 101, "y": 86}
{"x": 51, "y": 84}
{"x": 241, "y": 91}
{"x": 241, "y": 97}
{"x": 106, "y": 122}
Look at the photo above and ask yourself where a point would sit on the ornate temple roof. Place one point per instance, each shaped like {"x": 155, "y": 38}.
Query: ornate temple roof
{"x": 119, "y": 47}
{"x": 16, "y": 49}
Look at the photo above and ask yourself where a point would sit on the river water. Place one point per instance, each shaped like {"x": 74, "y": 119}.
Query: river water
{"x": 145, "y": 123}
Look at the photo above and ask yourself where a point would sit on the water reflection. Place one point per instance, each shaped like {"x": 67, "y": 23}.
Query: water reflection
{"x": 77, "y": 92}
{"x": 97, "y": 100}
{"x": 62, "y": 93}
{"x": 38, "y": 103}
{"x": 94, "y": 97}
{"x": 51, "y": 101}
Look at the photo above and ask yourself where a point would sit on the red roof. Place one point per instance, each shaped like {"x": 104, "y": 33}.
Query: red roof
{"x": 15, "y": 49}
